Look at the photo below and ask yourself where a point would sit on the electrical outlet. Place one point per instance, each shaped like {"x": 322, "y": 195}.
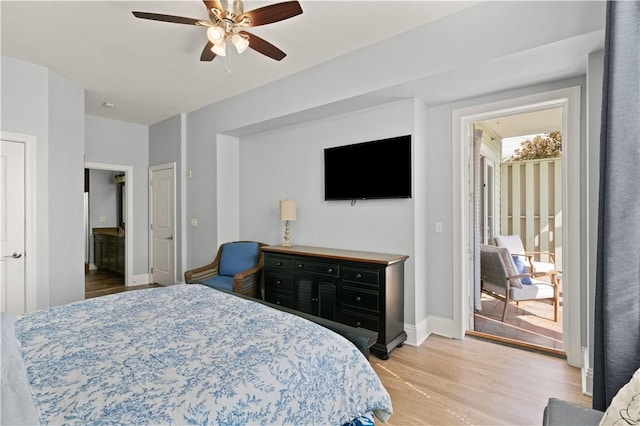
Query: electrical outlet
{"x": 194, "y": 222}
{"x": 438, "y": 226}
{"x": 103, "y": 218}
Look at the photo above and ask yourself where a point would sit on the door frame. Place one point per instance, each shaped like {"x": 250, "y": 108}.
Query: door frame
{"x": 568, "y": 99}
{"x": 128, "y": 235}
{"x": 30, "y": 237}
{"x": 152, "y": 169}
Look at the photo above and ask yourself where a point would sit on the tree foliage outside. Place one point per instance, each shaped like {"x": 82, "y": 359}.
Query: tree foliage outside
{"x": 547, "y": 145}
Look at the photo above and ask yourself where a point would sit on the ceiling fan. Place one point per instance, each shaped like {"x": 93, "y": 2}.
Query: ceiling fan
{"x": 226, "y": 24}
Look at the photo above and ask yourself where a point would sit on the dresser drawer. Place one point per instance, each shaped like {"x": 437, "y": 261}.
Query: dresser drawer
{"x": 361, "y": 276}
{"x": 274, "y": 262}
{"x": 358, "y": 320}
{"x": 278, "y": 282}
{"x": 330, "y": 269}
{"x": 280, "y": 299}
{"x": 360, "y": 299}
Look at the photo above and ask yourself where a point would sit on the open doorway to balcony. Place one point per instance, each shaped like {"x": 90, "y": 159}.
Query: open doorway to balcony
{"x": 518, "y": 170}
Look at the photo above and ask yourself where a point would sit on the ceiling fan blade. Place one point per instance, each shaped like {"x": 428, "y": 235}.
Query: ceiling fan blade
{"x": 264, "y": 47}
{"x": 207, "y": 54}
{"x": 167, "y": 18}
{"x": 272, "y": 13}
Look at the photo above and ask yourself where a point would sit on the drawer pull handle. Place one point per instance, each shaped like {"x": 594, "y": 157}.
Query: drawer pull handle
{"x": 277, "y": 302}
{"x": 358, "y": 299}
{"x": 279, "y": 264}
{"x": 278, "y": 282}
{"x": 358, "y": 323}
{"x": 358, "y": 276}
{"x": 314, "y": 299}
{"x": 300, "y": 266}
{"x": 330, "y": 270}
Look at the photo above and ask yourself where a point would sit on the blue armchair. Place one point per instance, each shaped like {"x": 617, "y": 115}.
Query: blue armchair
{"x": 236, "y": 268}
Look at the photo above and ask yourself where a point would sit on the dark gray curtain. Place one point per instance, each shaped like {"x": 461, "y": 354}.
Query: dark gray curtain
{"x": 617, "y": 310}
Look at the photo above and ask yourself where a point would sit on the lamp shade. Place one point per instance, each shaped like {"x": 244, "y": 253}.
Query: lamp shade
{"x": 287, "y": 210}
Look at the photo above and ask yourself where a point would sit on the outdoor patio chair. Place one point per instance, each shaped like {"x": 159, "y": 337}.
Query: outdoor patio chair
{"x": 503, "y": 279}
{"x": 513, "y": 243}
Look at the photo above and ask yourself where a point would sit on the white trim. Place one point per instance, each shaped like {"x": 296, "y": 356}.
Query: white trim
{"x": 141, "y": 279}
{"x": 569, "y": 100}
{"x": 129, "y": 234}
{"x": 172, "y": 167}
{"x": 30, "y": 238}
{"x": 183, "y": 194}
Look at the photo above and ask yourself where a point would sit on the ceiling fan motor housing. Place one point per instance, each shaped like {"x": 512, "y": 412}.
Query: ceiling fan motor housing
{"x": 232, "y": 8}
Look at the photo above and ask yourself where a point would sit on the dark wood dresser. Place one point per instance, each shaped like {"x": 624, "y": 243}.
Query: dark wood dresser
{"x": 108, "y": 249}
{"x": 356, "y": 288}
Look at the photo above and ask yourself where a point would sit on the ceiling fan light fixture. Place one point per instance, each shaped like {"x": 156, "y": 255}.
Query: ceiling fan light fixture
{"x": 216, "y": 34}
{"x": 241, "y": 42}
{"x": 220, "y": 48}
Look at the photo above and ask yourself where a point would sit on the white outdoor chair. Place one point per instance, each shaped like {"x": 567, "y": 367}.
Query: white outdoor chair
{"x": 513, "y": 243}
{"x": 501, "y": 279}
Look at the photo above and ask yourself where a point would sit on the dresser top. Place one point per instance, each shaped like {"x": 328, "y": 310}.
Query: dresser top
{"x": 331, "y": 253}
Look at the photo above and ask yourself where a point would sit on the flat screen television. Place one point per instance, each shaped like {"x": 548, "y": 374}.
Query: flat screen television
{"x": 368, "y": 170}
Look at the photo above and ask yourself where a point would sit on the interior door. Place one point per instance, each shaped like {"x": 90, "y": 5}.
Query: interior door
{"x": 12, "y": 227}
{"x": 162, "y": 217}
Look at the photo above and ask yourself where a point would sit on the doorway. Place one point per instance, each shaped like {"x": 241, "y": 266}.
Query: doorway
{"x": 519, "y": 171}
{"x": 464, "y": 205}
{"x": 122, "y": 207}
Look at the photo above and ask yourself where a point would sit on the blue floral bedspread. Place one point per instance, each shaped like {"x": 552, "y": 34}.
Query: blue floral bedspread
{"x": 188, "y": 354}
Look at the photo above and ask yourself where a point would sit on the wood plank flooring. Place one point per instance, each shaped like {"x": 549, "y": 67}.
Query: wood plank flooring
{"x": 452, "y": 382}
{"x": 474, "y": 382}
{"x": 530, "y": 322}
{"x": 99, "y": 282}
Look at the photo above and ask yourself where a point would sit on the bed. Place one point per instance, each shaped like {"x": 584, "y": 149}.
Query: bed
{"x": 184, "y": 354}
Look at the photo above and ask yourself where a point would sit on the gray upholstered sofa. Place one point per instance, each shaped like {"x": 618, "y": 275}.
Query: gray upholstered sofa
{"x": 563, "y": 413}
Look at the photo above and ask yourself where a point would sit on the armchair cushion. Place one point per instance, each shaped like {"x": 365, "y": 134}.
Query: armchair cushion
{"x": 221, "y": 282}
{"x": 238, "y": 257}
{"x": 537, "y": 290}
{"x": 521, "y": 268}
{"x": 513, "y": 243}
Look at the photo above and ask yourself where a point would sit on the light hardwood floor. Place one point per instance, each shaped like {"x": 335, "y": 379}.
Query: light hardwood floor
{"x": 474, "y": 382}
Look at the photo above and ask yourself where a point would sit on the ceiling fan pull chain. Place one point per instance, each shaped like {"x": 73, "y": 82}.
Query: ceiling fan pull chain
{"x": 227, "y": 60}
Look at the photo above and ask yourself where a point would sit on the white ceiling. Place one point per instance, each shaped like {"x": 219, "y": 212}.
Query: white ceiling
{"x": 531, "y": 123}
{"x": 151, "y": 70}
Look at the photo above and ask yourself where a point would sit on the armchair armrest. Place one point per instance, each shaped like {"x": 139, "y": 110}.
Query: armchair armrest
{"x": 248, "y": 282}
{"x": 551, "y": 273}
{"x": 202, "y": 273}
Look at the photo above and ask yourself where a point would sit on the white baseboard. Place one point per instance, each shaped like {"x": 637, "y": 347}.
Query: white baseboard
{"x": 416, "y": 334}
{"x": 586, "y": 373}
{"x": 92, "y": 267}
{"x": 141, "y": 279}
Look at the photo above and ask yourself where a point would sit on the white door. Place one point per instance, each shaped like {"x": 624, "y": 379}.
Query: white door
{"x": 162, "y": 217}
{"x": 12, "y": 227}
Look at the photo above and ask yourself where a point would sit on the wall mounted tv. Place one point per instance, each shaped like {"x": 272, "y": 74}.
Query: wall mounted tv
{"x": 368, "y": 170}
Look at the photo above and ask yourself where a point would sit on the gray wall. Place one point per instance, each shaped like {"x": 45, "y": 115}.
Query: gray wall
{"x": 39, "y": 102}
{"x": 116, "y": 142}
{"x": 492, "y": 51}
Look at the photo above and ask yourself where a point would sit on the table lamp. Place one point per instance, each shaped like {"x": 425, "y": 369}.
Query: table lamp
{"x": 287, "y": 213}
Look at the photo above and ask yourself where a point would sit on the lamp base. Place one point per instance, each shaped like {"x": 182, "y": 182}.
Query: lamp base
{"x": 287, "y": 235}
